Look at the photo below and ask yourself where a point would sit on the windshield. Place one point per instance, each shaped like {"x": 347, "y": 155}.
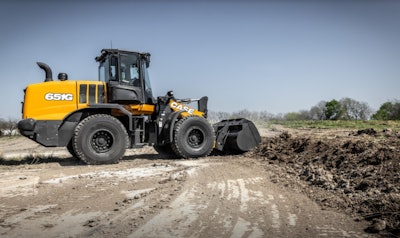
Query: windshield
{"x": 129, "y": 70}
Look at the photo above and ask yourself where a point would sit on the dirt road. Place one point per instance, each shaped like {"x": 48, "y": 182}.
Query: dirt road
{"x": 145, "y": 196}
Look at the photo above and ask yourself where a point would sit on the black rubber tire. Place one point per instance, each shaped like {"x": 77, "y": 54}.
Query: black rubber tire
{"x": 71, "y": 150}
{"x": 100, "y": 139}
{"x": 193, "y": 137}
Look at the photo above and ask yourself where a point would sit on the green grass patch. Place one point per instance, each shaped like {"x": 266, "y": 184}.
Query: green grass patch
{"x": 7, "y": 137}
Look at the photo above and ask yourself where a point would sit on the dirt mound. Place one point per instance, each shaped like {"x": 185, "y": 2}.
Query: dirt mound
{"x": 357, "y": 173}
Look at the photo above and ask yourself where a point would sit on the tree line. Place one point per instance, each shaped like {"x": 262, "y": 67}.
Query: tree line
{"x": 343, "y": 109}
{"x": 8, "y": 127}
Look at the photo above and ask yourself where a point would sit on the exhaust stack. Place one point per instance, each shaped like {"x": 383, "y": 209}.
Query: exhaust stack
{"x": 47, "y": 69}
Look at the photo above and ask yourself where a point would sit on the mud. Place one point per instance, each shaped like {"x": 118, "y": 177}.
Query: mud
{"x": 300, "y": 183}
{"x": 356, "y": 172}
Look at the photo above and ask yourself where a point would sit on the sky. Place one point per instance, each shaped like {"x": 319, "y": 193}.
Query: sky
{"x": 274, "y": 56}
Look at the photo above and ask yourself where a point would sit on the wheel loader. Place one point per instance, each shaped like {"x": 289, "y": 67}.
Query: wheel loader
{"x": 98, "y": 120}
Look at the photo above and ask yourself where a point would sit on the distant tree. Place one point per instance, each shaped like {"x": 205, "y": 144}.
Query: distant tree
{"x": 223, "y": 115}
{"x": 217, "y": 116}
{"x": 317, "y": 112}
{"x": 333, "y": 110}
{"x": 251, "y": 115}
{"x": 396, "y": 111}
{"x": 388, "y": 111}
{"x": 297, "y": 116}
{"x": 292, "y": 116}
{"x": 2, "y": 126}
{"x": 8, "y": 127}
{"x": 384, "y": 111}
{"x": 365, "y": 111}
{"x": 304, "y": 115}
{"x": 354, "y": 110}
{"x": 264, "y": 115}
{"x": 254, "y": 116}
{"x": 242, "y": 114}
{"x": 279, "y": 116}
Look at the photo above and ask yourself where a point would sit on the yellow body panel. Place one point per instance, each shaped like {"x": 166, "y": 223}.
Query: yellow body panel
{"x": 54, "y": 100}
{"x": 49, "y": 100}
{"x": 141, "y": 109}
{"x": 135, "y": 109}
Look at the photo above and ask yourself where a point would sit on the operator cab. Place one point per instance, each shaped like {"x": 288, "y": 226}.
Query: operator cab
{"x": 126, "y": 76}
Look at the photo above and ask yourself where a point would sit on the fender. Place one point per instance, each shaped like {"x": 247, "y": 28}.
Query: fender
{"x": 174, "y": 116}
{"x": 66, "y": 129}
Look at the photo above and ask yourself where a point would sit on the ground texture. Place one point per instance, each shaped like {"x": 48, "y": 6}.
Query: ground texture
{"x": 356, "y": 172}
{"x": 297, "y": 183}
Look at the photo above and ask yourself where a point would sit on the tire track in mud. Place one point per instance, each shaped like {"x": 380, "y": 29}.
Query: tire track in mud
{"x": 87, "y": 201}
{"x": 211, "y": 197}
{"x": 229, "y": 198}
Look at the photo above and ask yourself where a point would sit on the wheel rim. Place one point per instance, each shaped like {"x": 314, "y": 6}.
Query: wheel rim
{"x": 102, "y": 141}
{"x": 195, "y": 138}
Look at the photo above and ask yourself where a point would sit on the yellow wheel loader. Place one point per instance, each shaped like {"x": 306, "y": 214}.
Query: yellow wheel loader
{"x": 98, "y": 120}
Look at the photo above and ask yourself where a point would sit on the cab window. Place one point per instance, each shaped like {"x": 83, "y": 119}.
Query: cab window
{"x": 129, "y": 70}
{"x": 108, "y": 70}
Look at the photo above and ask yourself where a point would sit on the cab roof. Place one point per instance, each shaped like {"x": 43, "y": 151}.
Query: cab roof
{"x": 105, "y": 52}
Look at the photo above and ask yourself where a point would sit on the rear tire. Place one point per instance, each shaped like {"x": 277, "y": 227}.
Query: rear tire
{"x": 71, "y": 150}
{"x": 100, "y": 139}
{"x": 193, "y": 137}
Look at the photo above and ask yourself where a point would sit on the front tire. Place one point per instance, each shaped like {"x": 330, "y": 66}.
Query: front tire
{"x": 100, "y": 139}
{"x": 193, "y": 137}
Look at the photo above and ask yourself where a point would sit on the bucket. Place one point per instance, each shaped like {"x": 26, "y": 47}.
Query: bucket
{"x": 236, "y": 135}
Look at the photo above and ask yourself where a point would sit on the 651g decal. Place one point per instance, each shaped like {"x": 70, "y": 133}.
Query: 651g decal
{"x": 58, "y": 96}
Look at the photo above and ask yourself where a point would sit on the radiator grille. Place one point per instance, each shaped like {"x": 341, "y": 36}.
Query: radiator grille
{"x": 91, "y": 93}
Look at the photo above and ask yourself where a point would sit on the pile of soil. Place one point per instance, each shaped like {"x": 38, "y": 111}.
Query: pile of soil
{"x": 357, "y": 173}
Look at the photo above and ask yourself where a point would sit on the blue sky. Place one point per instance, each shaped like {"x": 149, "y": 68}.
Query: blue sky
{"x": 275, "y": 56}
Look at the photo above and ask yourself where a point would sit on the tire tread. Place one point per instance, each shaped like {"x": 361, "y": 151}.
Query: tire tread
{"x": 79, "y": 127}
